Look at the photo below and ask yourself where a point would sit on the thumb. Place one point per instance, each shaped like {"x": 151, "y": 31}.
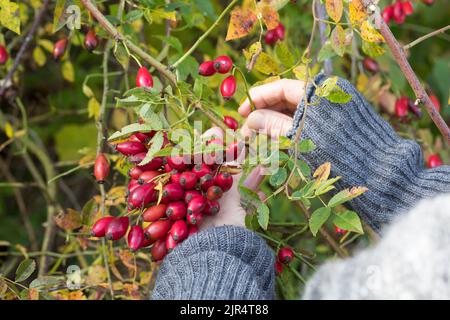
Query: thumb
{"x": 269, "y": 122}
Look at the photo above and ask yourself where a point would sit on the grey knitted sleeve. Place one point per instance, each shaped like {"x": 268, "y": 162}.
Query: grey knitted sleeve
{"x": 365, "y": 151}
{"x": 412, "y": 261}
{"x": 218, "y": 263}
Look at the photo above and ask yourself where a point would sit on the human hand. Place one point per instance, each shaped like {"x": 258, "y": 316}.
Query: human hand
{"x": 275, "y": 104}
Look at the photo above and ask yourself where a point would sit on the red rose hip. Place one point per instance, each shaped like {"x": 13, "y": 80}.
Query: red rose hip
{"x": 190, "y": 194}
{"x": 201, "y": 169}
{"x": 117, "y": 228}
{"x": 101, "y": 168}
{"x": 99, "y": 228}
{"x": 285, "y": 255}
{"x": 144, "y": 78}
{"x": 172, "y": 192}
{"x": 188, "y": 180}
{"x": 159, "y": 250}
{"x": 434, "y": 160}
{"x": 3, "y": 55}
{"x": 179, "y": 230}
{"x": 59, "y": 48}
{"x": 135, "y": 238}
{"x": 228, "y": 87}
{"x": 223, "y": 64}
{"x": 196, "y": 205}
{"x": 214, "y": 193}
{"x": 206, "y": 69}
{"x": 231, "y": 122}
{"x": 129, "y": 148}
{"x": 154, "y": 213}
{"x": 91, "y": 40}
{"x": 211, "y": 208}
{"x": 224, "y": 180}
{"x": 158, "y": 229}
{"x": 401, "y": 107}
{"x": 176, "y": 210}
{"x": 170, "y": 243}
{"x": 194, "y": 218}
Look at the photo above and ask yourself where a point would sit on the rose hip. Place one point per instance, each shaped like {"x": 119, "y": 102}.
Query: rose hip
{"x": 401, "y": 107}
{"x": 159, "y": 250}
{"x": 179, "y": 230}
{"x": 148, "y": 176}
{"x": 188, "y": 180}
{"x": 206, "y": 69}
{"x": 154, "y": 164}
{"x": 211, "y": 208}
{"x": 175, "y": 177}
{"x": 223, "y": 64}
{"x": 196, "y": 205}
{"x": 135, "y": 238}
{"x": 190, "y": 194}
{"x": 278, "y": 268}
{"x": 99, "y": 228}
{"x": 60, "y": 48}
{"x": 91, "y": 40}
{"x": 158, "y": 229}
{"x": 206, "y": 181}
{"x": 101, "y": 168}
{"x": 134, "y": 173}
{"x": 176, "y": 210}
{"x": 144, "y": 78}
{"x": 3, "y": 55}
{"x": 129, "y": 148}
{"x": 271, "y": 37}
{"x": 228, "y": 87}
{"x": 434, "y": 161}
{"x": 133, "y": 184}
{"x": 172, "y": 192}
{"x": 154, "y": 213}
{"x": 280, "y": 30}
{"x": 214, "y": 193}
{"x": 201, "y": 169}
{"x": 192, "y": 230}
{"x": 142, "y": 196}
{"x": 194, "y": 218}
{"x": 231, "y": 122}
{"x": 117, "y": 228}
{"x": 224, "y": 180}
{"x": 177, "y": 162}
{"x": 285, "y": 255}
{"x": 170, "y": 243}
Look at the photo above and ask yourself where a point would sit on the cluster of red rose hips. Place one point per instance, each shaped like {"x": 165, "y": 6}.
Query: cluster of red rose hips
{"x": 397, "y": 11}
{"x": 285, "y": 256}
{"x": 404, "y": 105}
{"x": 275, "y": 34}
{"x": 222, "y": 64}
{"x": 189, "y": 192}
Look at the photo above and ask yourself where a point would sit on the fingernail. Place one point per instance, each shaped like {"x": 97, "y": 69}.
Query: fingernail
{"x": 256, "y": 120}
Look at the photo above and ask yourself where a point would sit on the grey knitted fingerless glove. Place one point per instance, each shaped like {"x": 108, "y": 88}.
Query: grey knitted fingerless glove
{"x": 218, "y": 263}
{"x": 365, "y": 151}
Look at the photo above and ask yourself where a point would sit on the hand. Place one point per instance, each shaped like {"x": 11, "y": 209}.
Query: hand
{"x": 275, "y": 104}
{"x": 231, "y": 211}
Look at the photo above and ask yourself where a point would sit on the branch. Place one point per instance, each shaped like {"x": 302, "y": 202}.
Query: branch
{"x": 425, "y": 37}
{"x": 204, "y": 35}
{"x": 24, "y": 47}
{"x": 402, "y": 61}
{"x": 133, "y": 47}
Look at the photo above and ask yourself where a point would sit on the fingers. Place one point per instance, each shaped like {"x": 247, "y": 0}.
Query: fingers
{"x": 282, "y": 95}
{"x": 268, "y": 122}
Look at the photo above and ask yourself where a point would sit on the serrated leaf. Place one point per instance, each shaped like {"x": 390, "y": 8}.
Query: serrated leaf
{"x": 348, "y": 220}
{"x": 326, "y": 186}
{"x": 93, "y": 108}
{"x": 156, "y": 145}
{"x": 39, "y": 56}
{"x": 338, "y": 40}
{"x": 372, "y": 49}
{"x": 68, "y": 219}
{"x": 369, "y": 33}
{"x": 25, "y": 270}
{"x": 322, "y": 173}
{"x": 263, "y": 215}
{"x": 189, "y": 66}
{"x": 173, "y": 42}
{"x": 10, "y": 15}
{"x": 241, "y": 23}
{"x": 284, "y": 54}
{"x": 266, "y": 64}
{"x": 130, "y": 129}
{"x": 318, "y": 218}
{"x": 339, "y": 96}
{"x": 68, "y": 71}
{"x": 306, "y": 145}
{"x": 334, "y": 8}
{"x": 357, "y": 11}
{"x": 346, "y": 195}
{"x": 133, "y": 15}
{"x": 150, "y": 117}
{"x": 326, "y": 52}
{"x": 278, "y": 178}
{"x": 269, "y": 15}
{"x": 129, "y": 101}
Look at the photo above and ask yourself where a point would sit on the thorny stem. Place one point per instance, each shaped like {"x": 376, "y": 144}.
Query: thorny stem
{"x": 204, "y": 35}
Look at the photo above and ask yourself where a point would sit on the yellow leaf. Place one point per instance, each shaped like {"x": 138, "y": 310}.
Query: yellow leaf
{"x": 93, "y": 108}
{"x": 68, "y": 71}
{"x": 10, "y": 15}
{"x": 322, "y": 173}
{"x": 241, "y": 23}
{"x": 9, "y": 131}
{"x": 357, "y": 12}
{"x": 269, "y": 15}
{"x": 87, "y": 91}
{"x": 300, "y": 72}
{"x": 338, "y": 40}
{"x": 68, "y": 219}
{"x": 39, "y": 56}
{"x": 361, "y": 82}
{"x": 159, "y": 187}
{"x": 96, "y": 275}
{"x": 334, "y": 9}
{"x": 46, "y": 44}
{"x": 369, "y": 33}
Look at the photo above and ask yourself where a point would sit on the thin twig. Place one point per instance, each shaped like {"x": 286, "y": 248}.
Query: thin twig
{"x": 92, "y": 8}
{"x": 205, "y": 34}
{"x": 425, "y": 37}
{"x": 24, "y": 46}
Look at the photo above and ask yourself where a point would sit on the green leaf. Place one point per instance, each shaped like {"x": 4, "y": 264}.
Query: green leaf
{"x": 297, "y": 195}
{"x": 131, "y": 101}
{"x": 346, "y": 195}
{"x": 150, "y": 117}
{"x": 46, "y": 282}
{"x": 284, "y": 54}
{"x": 133, "y": 15}
{"x": 326, "y": 52}
{"x": 156, "y": 145}
{"x": 348, "y": 220}
{"x": 318, "y": 218}
{"x": 263, "y": 215}
{"x": 278, "y": 178}
{"x": 25, "y": 269}
{"x": 121, "y": 55}
{"x": 251, "y": 222}
{"x": 306, "y": 145}
{"x": 173, "y": 42}
{"x": 206, "y": 8}
{"x": 338, "y": 40}
{"x": 130, "y": 129}
{"x": 339, "y": 96}
{"x": 188, "y": 67}
{"x": 372, "y": 49}
{"x": 10, "y": 15}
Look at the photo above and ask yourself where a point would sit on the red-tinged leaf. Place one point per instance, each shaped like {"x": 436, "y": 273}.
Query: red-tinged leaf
{"x": 241, "y": 23}
{"x": 335, "y": 8}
